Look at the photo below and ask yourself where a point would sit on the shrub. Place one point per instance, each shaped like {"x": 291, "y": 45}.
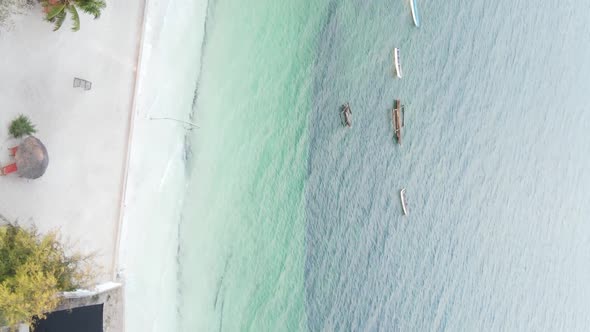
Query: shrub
{"x": 21, "y": 126}
{"x": 34, "y": 269}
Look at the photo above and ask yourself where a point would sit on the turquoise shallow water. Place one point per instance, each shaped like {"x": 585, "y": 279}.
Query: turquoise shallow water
{"x": 293, "y": 223}
{"x": 243, "y": 232}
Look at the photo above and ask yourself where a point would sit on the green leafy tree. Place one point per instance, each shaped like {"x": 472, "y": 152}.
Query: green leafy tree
{"x": 21, "y": 126}
{"x": 34, "y": 269}
{"x": 57, "y": 10}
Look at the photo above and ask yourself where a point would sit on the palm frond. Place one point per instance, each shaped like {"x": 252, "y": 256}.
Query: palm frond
{"x": 21, "y": 126}
{"x": 54, "y": 11}
{"x": 59, "y": 20}
{"x": 92, "y": 7}
{"x": 75, "y": 18}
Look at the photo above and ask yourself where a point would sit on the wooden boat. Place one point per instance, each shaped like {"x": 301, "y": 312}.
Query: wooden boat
{"x": 346, "y": 114}
{"x": 396, "y": 120}
{"x": 402, "y": 195}
{"x": 397, "y": 62}
{"x": 415, "y": 15}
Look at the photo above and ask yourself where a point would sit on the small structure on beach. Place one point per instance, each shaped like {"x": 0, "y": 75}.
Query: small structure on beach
{"x": 88, "y": 319}
{"x": 31, "y": 159}
{"x": 96, "y": 310}
{"x": 82, "y": 83}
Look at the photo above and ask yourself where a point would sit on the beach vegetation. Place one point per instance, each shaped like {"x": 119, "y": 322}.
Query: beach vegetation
{"x": 21, "y": 126}
{"x": 56, "y": 11}
{"x": 35, "y": 268}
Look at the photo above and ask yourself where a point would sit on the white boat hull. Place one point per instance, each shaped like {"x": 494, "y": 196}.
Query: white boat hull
{"x": 397, "y": 63}
{"x": 415, "y": 16}
{"x": 402, "y": 195}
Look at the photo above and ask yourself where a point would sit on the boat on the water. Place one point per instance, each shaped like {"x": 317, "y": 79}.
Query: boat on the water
{"x": 402, "y": 195}
{"x": 415, "y": 14}
{"x": 346, "y": 115}
{"x": 397, "y": 63}
{"x": 397, "y": 120}
{"x": 403, "y": 114}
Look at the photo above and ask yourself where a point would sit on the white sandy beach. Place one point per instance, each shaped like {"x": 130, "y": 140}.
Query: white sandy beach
{"x": 116, "y": 177}
{"x": 85, "y": 132}
{"x": 115, "y": 180}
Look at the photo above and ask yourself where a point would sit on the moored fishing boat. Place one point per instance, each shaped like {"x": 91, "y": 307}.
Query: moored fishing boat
{"x": 415, "y": 14}
{"x": 397, "y": 121}
{"x": 346, "y": 114}
{"x": 403, "y": 114}
{"x": 397, "y": 62}
{"x": 402, "y": 195}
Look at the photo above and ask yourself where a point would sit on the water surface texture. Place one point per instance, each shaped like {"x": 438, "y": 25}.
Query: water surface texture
{"x": 293, "y": 222}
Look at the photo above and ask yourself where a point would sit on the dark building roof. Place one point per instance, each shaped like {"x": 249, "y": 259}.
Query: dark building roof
{"x": 86, "y": 319}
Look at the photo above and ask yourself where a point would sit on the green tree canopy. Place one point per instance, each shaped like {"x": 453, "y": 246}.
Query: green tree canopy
{"x": 34, "y": 269}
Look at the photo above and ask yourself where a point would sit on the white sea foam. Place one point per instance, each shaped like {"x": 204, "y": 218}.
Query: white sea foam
{"x": 167, "y": 74}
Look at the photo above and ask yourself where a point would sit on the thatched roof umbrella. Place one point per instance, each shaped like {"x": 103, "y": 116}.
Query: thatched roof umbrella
{"x": 31, "y": 158}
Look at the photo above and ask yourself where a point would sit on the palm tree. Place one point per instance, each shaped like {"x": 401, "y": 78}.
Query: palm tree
{"x": 21, "y": 126}
{"x": 56, "y": 10}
